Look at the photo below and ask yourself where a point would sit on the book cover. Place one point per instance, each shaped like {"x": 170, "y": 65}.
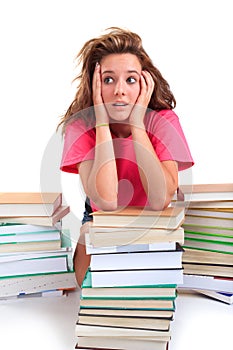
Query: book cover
{"x": 206, "y": 192}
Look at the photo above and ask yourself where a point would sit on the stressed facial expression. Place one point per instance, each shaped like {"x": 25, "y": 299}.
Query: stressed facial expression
{"x": 120, "y": 84}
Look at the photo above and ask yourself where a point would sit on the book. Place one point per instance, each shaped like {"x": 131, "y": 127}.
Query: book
{"x": 137, "y": 260}
{"x": 90, "y": 249}
{"x": 16, "y": 285}
{"x": 45, "y": 293}
{"x": 209, "y": 237}
{"x": 209, "y": 221}
{"x": 115, "y": 278}
{"x": 208, "y": 269}
{"x": 192, "y": 281}
{"x": 224, "y": 213}
{"x": 29, "y": 246}
{"x": 167, "y": 314}
{"x": 19, "y": 237}
{"x": 109, "y": 236}
{"x": 145, "y": 304}
{"x": 216, "y": 231}
{"x": 125, "y": 322}
{"x": 221, "y": 296}
{"x": 208, "y": 257}
{"x": 133, "y": 292}
{"x": 169, "y": 218}
{"x": 52, "y": 220}
{"x": 136, "y": 343}
{"x": 210, "y": 245}
{"x": 34, "y": 266}
{"x": 65, "y": 248}
{"x": 29, "y": 203}
{"x": 205, "y": 192}
{"x": 93, "y": 330}
{"x": 203, "y": 204}
{"x": 27, "y": 233}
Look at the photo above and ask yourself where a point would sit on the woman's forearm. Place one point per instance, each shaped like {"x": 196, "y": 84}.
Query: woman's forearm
{"x": 157, "y": 182}
{"x": 102, "y": 181}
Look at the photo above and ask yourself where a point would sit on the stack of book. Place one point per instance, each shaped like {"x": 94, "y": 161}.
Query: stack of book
{"x": 128, "y": 294}
{"x": 208, "y": 227}
{"x": 35, "y": 251}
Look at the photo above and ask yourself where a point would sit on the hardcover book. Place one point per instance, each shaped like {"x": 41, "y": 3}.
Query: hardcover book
{"x": 29, "y": 203}
{"x": 169, "y": 218}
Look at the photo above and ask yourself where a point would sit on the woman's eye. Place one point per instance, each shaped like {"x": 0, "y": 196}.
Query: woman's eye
{"x": 108, "y": 80}
{"x": 131, "y": 80}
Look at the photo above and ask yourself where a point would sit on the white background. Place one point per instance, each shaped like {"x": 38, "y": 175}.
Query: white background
{"x": 189, "y": 41}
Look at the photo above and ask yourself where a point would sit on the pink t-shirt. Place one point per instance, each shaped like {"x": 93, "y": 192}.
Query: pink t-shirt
{"x": 166, "y": 136}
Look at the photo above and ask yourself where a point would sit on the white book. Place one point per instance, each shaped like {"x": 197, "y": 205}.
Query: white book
{"x": 207, "y": 282}
{"x": 137, "y": 260}
{"x": 28, "y": 233}
{"x": 136, "y": 277}
{"x": 34, "y": 266}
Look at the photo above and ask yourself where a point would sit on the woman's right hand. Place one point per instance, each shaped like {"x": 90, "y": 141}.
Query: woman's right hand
{"x": 99, "y": 107}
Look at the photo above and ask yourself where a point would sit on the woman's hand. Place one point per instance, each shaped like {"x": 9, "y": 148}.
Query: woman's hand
{"x": 139, "y": 109}
{"x": 99, "y": 107}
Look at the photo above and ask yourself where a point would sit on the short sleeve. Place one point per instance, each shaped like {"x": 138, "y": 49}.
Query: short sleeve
{"x": 168, "y": 139}
{"x": 79, "y": 145}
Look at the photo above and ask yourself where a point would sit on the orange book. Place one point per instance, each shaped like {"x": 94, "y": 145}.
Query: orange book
{"x": 169, "y": 218}
{"x": 29, "y": 203}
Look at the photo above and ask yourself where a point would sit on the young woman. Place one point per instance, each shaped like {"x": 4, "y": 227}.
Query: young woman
{"x": 121, "y": 134}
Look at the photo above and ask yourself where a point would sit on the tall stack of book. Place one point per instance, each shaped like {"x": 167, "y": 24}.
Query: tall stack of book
{"x": 208, "y": 227}
{"x": 129, "y": 292}
{"x": 35, "y": 250}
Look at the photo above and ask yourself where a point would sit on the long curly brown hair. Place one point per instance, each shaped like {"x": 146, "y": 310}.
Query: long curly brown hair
{"x": 114, "y": 41}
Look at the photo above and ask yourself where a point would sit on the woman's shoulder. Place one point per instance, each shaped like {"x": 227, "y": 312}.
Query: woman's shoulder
{"x": 162, "y": 114}
{"x": 78, "y": 126}
{"x": 159, "y": 118}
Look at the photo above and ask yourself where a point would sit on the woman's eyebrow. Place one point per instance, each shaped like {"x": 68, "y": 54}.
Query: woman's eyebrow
{"x": 128, "y": 71}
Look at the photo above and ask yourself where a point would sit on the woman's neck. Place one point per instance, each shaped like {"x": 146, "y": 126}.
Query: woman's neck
{"x": 120, "y": 129}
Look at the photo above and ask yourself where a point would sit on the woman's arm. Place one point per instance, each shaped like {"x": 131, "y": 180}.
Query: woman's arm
{"x": 159, "y": 179}
{"x": 99, "y": 176}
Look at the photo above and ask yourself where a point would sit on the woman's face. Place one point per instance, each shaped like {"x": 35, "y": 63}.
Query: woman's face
{"x": 120, "y": 84}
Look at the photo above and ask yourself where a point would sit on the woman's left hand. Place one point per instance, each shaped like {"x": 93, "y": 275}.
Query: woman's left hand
{"x": 139, "y": 109}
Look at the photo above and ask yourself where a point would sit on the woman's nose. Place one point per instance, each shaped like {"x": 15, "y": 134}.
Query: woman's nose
{"x": 119, "y": 88}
